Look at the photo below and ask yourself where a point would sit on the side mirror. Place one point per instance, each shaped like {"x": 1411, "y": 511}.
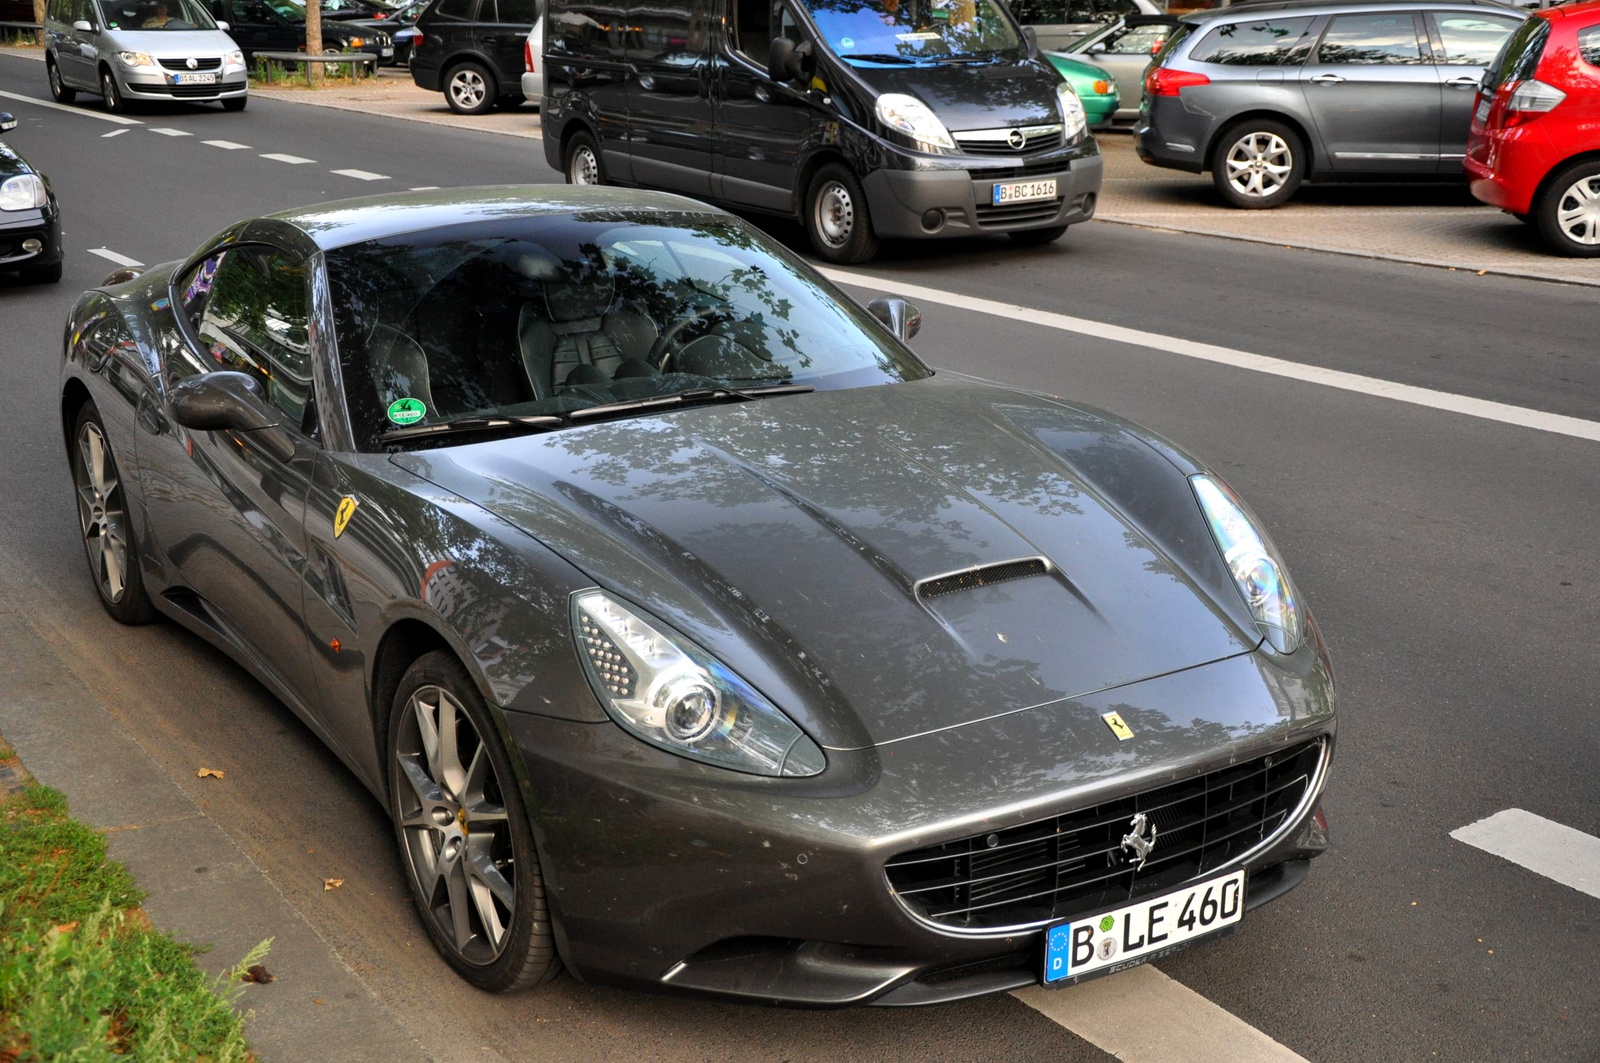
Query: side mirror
{"x": 902, "y": 318}
{"x": 226, "y": 401}
{"x": 223, "y": 26}
{"x": 1097, "y": 48}
{"x": 7, "y": 122}
{"x": 787, "y": 61}
{"x": 83, "y": 27}
{"x": 1032, "y": 38}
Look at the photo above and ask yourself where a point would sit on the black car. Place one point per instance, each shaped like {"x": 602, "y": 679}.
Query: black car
{"x": 351, "y": 10}
{"x": 280, "y": 26}
{"x": 399, "y": 23}
{"x": 30, "y": 219}
{"x": 860, "y": 118}
{"x": 472, "y": 51}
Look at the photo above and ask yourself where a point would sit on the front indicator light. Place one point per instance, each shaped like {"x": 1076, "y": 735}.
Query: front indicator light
{"x": 1102, "y": 88}
{"x": 663, "y": 689}
{"x": 1257, "y": 570}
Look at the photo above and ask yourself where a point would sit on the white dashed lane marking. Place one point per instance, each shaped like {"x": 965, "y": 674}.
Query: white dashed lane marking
{"x": 362, "y": 175}
{"x": 168, "y": 131}
{"x": 1206, "y": 352}
{"x": 85, "y": 112}
{"x": 112, "y": 256}
{"x": 113, "y": 133}
{"x": 1551, "y": 849}
{"x": 1173, "y": 1024}
{"x": 292, "y": 160}
{"x": 424, "y": 188}
{"x": 226, "y": 145}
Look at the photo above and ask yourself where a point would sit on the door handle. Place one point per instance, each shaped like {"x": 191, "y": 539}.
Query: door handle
{"x": 1465, "y": 82}
{"x": 1326, "y": 79}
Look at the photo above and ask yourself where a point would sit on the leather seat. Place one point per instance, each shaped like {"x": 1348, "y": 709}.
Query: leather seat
{"x": 577, "y": 332}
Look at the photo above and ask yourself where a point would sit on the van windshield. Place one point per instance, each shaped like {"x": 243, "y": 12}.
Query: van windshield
{"x": 915, "y": 31}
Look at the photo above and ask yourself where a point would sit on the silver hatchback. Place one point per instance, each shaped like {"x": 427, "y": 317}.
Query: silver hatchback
{"x": 1265, "y": 95}
{"x": 125, "y": 50}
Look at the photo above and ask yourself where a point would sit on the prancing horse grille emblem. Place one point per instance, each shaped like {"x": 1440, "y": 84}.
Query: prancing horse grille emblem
{"x": 1016, "y": 138}
{"x": 1135, "y": 844}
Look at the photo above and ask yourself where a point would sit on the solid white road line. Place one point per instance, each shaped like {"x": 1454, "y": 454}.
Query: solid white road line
{"x": 1142, "y": 1016}
{"x": 226, "y": 145}
{"x": 362, "y": 175}
{"x": 167, "y": 131}
{"x": 424, "y": 188}
{"x": 1569, "y": 856}
{"x": 113, "y": 133}
{"x": 1386, "y": 389}
{"x": 112, "y": 256}
{"x": 116, "y": 118}
{"x": 292, "y": 160}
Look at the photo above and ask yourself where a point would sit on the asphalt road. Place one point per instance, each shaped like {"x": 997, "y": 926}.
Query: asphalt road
{"x": 1451, "y": 561}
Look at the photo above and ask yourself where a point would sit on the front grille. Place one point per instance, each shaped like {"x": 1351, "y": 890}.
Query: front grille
{"x": 1034, "y": 139}
{"x": 982, "y": 576}
{"x": 1007, "y": 214}
{"x": 199, "y": 64}
{"x": 1074, "y": 863}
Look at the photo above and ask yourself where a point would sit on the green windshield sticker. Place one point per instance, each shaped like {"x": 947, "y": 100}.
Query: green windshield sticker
{"x": 407, "y": 411}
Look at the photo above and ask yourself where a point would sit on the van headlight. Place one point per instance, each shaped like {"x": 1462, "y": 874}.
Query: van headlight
{"x": 1073, "y": 119}
{"x": 1257, "y": 570}
{"x": 24, "y": 192}
{"x": 910, "y": 116}
{"x": 667, "y": 691}
{"x": 135, "y": 59}
{"x": 235, "y": 58}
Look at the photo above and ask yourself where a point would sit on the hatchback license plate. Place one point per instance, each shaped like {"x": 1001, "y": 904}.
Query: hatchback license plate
{"x": 194, "y": 79}
{"x": 1135, "y": 933}
{"x": 1024, "y": 191}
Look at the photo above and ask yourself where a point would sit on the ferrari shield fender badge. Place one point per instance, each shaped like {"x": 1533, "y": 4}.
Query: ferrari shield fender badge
{"x": 1140, "y": 839}
{"x": 1118, "y": 726}
{"x": 342, "y": 515}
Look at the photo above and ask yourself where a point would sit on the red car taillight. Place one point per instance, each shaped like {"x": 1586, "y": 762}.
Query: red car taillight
{"x": 1165, "y": 82}
{"x": 1525, "y": 101}
{"x": 416, "y": 40}
{"x": 527, "y": 55}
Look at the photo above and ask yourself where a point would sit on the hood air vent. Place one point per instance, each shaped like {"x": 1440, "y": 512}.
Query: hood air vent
{"x": 982, "y": 576}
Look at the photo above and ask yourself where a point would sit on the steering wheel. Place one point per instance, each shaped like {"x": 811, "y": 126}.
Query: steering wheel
{"x": 662, "y": 350}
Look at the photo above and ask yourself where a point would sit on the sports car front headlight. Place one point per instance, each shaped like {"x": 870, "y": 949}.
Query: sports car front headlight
{"x": 1073, "y": 119}
{"x": 135, "y": 59}
{"x": 1257, "y": 569}
{"x": 669, "y": 692}
{"x": 909, "y": 115}
{"x": 24, "y": 192}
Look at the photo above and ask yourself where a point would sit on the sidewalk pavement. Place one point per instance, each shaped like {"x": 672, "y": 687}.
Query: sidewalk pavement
{"x": 394, "y": 95}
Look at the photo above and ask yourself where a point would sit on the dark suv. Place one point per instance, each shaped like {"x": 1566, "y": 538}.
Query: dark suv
{"x": 1265, "y": 95}
{"x": 472, "y": 51}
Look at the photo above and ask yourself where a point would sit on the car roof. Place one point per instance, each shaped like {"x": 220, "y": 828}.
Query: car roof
{"x": 353, "y": 221}
{"x": 1256, "y": 8}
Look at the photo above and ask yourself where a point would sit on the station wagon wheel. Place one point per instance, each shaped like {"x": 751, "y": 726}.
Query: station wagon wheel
{"x": 837, "y": 218}
{"x": 103, "y": 520}
{"x": 58, "y": 88}
{"x": 110, "y": 95}
{"x": 583, "y": 161}
{"x": 1258, "y": 165}
{"x": 465, "y": 842}
{"x": 1569, "y": 211}
{"x": 470, "y": 89}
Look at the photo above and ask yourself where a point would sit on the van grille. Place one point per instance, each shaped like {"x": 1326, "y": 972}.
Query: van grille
{"x": 1009, "y": 214}
{"x": 1074, "y": 863}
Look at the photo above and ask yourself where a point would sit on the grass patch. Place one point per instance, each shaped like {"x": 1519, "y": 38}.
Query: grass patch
{"x": 293, "y": 75}
{"x": 83, "y": 975}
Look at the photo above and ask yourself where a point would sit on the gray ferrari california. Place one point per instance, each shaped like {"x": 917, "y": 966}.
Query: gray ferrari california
{"x": 694, "y": 633}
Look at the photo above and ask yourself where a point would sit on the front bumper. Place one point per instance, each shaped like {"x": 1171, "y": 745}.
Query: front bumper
{"x": 18, "y": 227}
{"x": 666, "y": 873}
{"x": 145, "y": 84}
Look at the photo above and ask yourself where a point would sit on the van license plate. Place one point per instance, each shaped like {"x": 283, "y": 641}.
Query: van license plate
{"x": 1135, "y": 933}
{"x": 194, "y": 79}
{"x": 1024, "y": 191}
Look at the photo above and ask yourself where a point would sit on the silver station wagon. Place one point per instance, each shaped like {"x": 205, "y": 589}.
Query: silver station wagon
{"x": 126, "y": 50}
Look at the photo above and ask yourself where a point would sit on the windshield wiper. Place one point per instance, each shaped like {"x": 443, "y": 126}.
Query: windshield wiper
{"x": 887, "y": 57}
{"x": 692, "y": 397}
{"x": 461, "y": 425}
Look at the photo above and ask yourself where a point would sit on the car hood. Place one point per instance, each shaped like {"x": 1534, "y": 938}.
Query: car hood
{"x": 174, "y": 44}
{"x": 789, "y": 536}
{"x": 11, "y": 162}
{"x": 975, "y": 95}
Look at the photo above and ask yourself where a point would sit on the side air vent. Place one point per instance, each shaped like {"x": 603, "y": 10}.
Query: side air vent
{"x": 982, "y": 576}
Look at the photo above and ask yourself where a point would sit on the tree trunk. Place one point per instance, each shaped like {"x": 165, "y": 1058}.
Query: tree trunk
{"x": 38, "y": 16}
{"x": 313, "y": 39}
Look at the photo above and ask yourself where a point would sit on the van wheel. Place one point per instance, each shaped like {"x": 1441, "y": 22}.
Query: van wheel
{"x": 58, "y": 88}
{"x": 583, "y": 161}
{"x": 1258, "y": 164}
{"x": 1569, "y": 210}
{"x": 836, "y": 217}
{"x": 470, "y": 89}
{"x": 110, "y": 95}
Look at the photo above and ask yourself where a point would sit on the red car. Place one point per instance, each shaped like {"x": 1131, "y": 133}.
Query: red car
{"x": 1534, "y": 149}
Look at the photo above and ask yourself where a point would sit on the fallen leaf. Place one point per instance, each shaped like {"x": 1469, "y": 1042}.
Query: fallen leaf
{"x": 257, "y": 973}
{"x": 211, "y": 773}
{"x": 316, "y": 1000}
{"x": 67, "y": 928}
{"x": 1482, "y": 272}
{"x": 331, "y": 884}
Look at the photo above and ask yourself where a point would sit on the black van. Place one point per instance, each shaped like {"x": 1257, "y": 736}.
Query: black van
{"x": 862, "y": 118}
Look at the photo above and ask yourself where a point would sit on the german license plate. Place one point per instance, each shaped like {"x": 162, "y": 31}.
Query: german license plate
{"x": 1481, "y": 114}
{"x": 1024, "y": 191}
{"x": 194, "y": 79}
{"x": 387, "y": 51}
{"x": 1136, "y": 933}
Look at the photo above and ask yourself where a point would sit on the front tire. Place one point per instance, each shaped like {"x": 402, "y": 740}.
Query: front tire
{"x": 1568, "y": 212}
{"x": 105, "y": 522}
{"x": 469, "y": 88}
{"x": 464, "y": 837}
{"x": 1258, "y": 165}
{"x": 58, "y": 88}
{"x": 1037, "y": 237}
{"x": 836, "y": 217}
{"x": 110, "y": 94}
{"x": 583, "y": 161}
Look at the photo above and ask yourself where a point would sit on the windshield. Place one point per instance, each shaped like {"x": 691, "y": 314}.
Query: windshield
{"x": 545, "y": 316}
{"x": 904, "y": 31}
{"x": 155, "y": 15}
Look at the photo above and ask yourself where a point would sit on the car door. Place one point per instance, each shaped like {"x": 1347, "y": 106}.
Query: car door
{"x": 256, "y": 27}
{"x": 76, "y": 52}
{"x": 586, "y": 58}
{"x": 1372, "y": 91}
{"x": 670, "y": 113}
{"x": 760, "y": 126}
{"x": 1464, "y": 43}
{"x": 228, "y": 508}
{"x": 502, "y": 31}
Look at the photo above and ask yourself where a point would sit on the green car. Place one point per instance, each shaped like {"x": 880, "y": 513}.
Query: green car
{"x": 1093, "y": 86}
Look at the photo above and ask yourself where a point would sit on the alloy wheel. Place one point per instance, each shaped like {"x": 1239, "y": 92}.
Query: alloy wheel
{"x": 108, "y": 92}
{"x": 468, "y": 88}
{"x": 100, "y": 512}
{"x": 835, "y": 214}
{"x": 55, "y": 80}
{"x": 1578, "y": 211}
{"x": 584, "y": 169}
{"x": 457, "y": 835}
{"x": 1259, "y": 165}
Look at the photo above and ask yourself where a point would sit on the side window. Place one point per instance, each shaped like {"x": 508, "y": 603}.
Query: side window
{"x": 1268, "y": 42}
{"x": 752, "y": 29}
{"x": 673, "y": 33}
{"x": 789, "y": 26}
{"x": 463, "y": 10}
{"x": 1589, "y": 45}
{"x": 519, "y": 12}
{"x": 1141, "y": 40}
{"x": 255, "y": 11}
{"x": 253, "y": 320}
{"x": 1371, "y": 40}
{"x": 587, "y": 29}
{"x": 1472, "y": 40}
